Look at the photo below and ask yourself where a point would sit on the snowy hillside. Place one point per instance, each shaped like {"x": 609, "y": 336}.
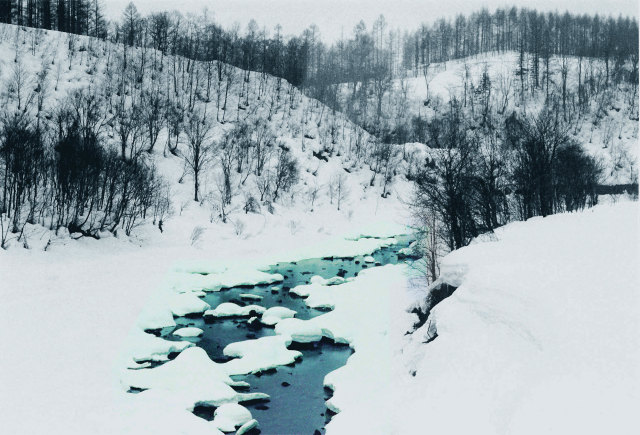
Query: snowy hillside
{"x": 609, "y": 131}
{"x": 331, "y": 153}
{"x": 607, "y": 126}
{"x": 187, "y": 247}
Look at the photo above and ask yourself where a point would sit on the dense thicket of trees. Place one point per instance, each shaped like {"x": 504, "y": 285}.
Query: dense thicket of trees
{"x": 60, "y": 173}
{"x": 477, "y": 179}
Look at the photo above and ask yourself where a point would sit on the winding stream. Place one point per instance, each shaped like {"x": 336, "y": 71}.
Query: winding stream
{"x": 297, "y": 404}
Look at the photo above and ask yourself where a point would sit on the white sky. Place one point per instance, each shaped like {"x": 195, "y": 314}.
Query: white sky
{"x": 335, "y": 16}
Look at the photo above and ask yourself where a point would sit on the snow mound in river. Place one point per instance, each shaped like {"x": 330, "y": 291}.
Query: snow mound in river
{"x": 191, "y": 378}
{"x": 230, "y": 416}
{"x": 229, "y": 309}
{"x": 274, "y": 315}
{"x": 190, "y": 331}
{"x": 147, "y": 347}
{"x": 185, "y": 303}
{"x": 254, "y": 356}
{"x": 300, "y": 331}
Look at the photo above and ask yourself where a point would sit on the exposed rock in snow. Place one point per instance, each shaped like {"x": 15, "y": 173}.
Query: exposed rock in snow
{"x": 369, "y": 259}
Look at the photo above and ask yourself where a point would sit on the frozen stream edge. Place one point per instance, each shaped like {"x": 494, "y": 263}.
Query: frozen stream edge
{"x": 359, "y": 317}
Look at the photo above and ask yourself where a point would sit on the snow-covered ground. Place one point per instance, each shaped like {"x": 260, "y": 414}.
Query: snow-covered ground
{"x": 543, "y": 327}
{"x": 541, "y": 336}
{"x": 70, "y": 314}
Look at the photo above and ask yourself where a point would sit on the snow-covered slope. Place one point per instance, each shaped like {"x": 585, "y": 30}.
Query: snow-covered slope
{"x": 608, "y": 129}
{"x": 530, "y": 331}
{"x": 541, "y": 336}
{"x": 606, "y": 126}
{"x": 70, "y": 312}
{"x": 326, "y": 146}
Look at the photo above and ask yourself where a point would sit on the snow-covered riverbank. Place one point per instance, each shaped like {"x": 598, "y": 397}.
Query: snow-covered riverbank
{"x": 68, "y": 311}
{"x": 541, "y": 335}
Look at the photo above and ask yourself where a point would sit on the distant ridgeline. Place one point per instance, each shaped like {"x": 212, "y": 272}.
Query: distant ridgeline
{"x": 368, "y": 60}
{"x": 304, "y": 60}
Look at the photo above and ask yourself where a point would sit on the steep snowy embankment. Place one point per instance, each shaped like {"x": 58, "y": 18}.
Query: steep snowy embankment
{"x": 542, "y": 335}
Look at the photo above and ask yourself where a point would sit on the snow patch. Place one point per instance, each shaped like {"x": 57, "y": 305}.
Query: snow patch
{"x": 274, "y": 315}
{"x": 254, "y": 356}
{"x": 229, "y": 309}
{"x": 190, "y": 331}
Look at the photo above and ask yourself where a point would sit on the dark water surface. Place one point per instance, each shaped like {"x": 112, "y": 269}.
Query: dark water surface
{"x": 297, "y": 404}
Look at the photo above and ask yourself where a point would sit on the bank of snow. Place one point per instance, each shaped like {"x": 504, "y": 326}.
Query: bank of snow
{"x": 541, "y": 336}
{"x": 369, "y": 314}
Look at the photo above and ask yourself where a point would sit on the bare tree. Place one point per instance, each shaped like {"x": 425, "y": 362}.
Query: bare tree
{"x": 199, "y": 147}
{"x": 151, "y": 116}
{"x": 338, "y": 188}
{"x": 286, "y": 172}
